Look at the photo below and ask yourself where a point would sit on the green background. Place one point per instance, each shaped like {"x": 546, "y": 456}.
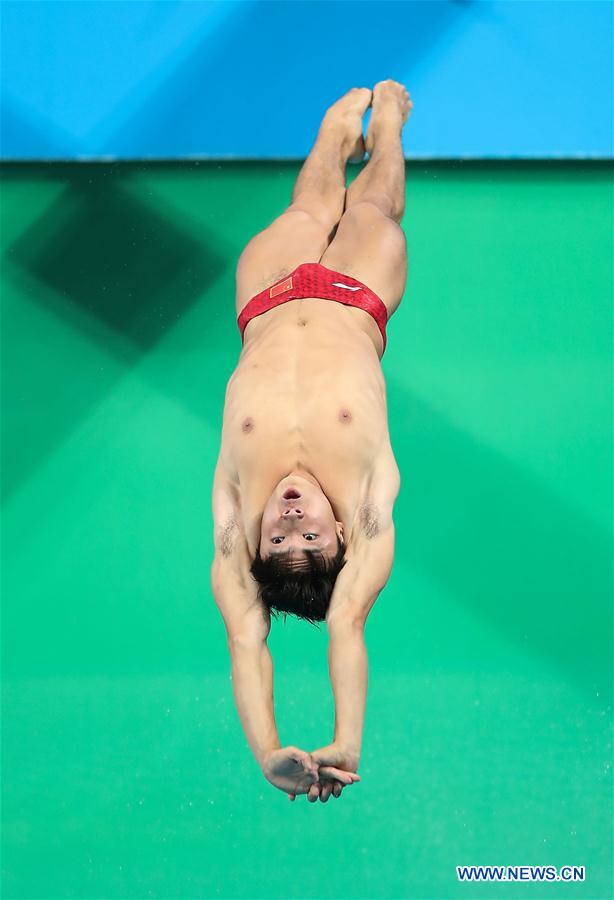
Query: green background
{"x": 125, "y": 770}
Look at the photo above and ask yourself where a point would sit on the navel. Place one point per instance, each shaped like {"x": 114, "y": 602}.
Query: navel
{"x": 345, "y": 416}
{"x": 301, "y": 322}
{"x": 248, "y": 425}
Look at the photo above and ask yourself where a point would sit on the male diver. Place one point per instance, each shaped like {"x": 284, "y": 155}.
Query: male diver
{"x": 306, "y": 478}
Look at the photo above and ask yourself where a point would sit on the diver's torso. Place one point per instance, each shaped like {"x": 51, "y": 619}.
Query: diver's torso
{"x": 308, "y": 392}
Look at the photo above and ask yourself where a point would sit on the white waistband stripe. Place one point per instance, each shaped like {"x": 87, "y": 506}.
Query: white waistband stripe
{"x": 346, "y": 286}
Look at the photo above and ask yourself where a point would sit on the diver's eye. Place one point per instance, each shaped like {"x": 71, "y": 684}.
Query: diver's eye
{"x": 276, "y": 540}
{"x": 310, "y": 536}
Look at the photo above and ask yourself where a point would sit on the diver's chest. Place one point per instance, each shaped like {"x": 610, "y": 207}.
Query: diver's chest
{"x": 327, "y": 426}
{"x": 316, "y": 399}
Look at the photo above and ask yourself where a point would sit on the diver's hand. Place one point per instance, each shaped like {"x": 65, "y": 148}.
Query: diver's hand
{"x": 296, "y": 772}
{"x": 337, "y": 768}
{"x": 291, "y": 770}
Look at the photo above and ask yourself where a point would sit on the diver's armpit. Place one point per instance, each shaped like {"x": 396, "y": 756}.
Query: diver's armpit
{"x": 369, "y": 520}
{"x": 227, "y": 538}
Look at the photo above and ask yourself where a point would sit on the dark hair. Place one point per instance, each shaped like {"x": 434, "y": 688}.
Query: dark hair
{"x": 303, "y": 591}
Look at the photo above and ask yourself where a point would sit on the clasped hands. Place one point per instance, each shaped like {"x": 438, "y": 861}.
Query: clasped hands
{"x": 318, "y": 774}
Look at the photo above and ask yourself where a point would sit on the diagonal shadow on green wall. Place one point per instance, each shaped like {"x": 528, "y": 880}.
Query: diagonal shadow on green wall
{"x": 504, "y": 545}
{"x": 115, "y": 271}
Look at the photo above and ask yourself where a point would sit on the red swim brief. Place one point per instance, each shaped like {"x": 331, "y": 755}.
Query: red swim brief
{"x": 315, "y": 280}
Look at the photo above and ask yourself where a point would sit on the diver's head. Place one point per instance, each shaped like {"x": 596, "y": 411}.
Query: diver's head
{"x": 298, "y": 517}
{"x": 301, "y": 549}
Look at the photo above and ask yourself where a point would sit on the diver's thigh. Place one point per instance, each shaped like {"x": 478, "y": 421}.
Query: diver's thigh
{"x": 371, "y": 247}
{"x": 293, "y": 238}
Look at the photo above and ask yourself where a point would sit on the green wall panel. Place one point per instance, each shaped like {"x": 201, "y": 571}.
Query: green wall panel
{"x": 487, "y": 736}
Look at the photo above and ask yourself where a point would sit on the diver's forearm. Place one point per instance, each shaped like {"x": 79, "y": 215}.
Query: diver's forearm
{"x": 348, "y": 669}
{"x": 252, "y": 685}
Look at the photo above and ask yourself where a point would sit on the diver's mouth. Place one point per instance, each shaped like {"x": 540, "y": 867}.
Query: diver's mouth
{"x": 291, "y": 494}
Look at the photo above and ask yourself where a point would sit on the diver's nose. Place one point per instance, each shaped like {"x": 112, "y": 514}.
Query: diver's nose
{"x": 297, "y": 512}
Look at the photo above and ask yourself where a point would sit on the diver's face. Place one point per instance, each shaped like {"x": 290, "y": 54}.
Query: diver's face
{"x": 298, "y": 517}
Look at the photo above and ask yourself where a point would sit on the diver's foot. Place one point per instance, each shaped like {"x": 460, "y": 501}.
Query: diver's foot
{"x": 344, "y": 118}
{"x": 391, "y": 106}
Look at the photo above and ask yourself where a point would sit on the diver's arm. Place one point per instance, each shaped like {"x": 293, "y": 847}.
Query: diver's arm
{"x": 247, "y": 627}
{"x": 362, "y": 578}
{"x": 358, "y": 586}
{"x": 246, "y": 619}
{"x": 348, "y": 671}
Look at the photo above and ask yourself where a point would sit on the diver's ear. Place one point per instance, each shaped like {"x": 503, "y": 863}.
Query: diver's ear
{"x": 339, "y": 530}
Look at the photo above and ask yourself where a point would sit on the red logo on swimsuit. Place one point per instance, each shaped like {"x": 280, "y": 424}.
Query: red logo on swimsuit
{"x": 281, "y": 288}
